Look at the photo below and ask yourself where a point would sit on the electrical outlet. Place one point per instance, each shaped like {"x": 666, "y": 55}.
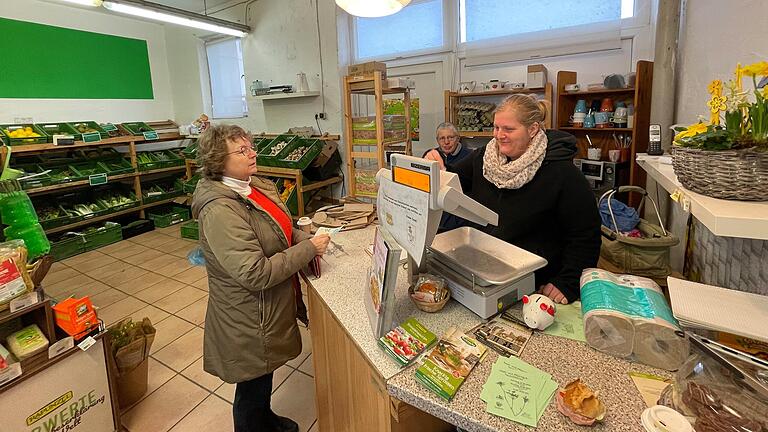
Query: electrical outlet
{"x": 321, "y": 116}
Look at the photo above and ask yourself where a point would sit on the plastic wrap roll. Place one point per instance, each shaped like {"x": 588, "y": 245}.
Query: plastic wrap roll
{"x": 628, "y": 316}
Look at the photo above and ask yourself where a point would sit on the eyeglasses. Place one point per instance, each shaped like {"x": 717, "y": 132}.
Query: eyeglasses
{"x": 448, "y": 138}
{"x": 243, "y": 150}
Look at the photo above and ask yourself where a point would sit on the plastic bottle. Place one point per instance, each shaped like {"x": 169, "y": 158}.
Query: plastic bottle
{"x": 17, "y": 211}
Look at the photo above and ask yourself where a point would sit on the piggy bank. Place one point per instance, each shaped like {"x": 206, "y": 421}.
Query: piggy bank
{"x": 538, "y": 311}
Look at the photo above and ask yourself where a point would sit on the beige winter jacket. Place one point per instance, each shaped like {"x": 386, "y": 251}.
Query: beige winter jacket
{"x": 250, "y": 325}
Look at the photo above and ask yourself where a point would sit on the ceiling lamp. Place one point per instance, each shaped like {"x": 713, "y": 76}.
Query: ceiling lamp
{"x": 372, "y": 8}
{"x": 157, "y": 12}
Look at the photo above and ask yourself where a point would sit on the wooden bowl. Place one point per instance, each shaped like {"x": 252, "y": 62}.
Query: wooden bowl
{"x": 429, "y": 306}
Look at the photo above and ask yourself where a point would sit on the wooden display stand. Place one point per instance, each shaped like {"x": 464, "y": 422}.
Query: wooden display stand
{"x": 639, "y": 96}
{"x": 452, "y": 100}
{"x": 372, "y": 85}
{"x": 48, "y": 389}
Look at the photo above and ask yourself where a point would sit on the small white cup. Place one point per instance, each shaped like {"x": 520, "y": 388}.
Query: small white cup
{"x": 305, "y": 224}
{"x": 593, "y": 153}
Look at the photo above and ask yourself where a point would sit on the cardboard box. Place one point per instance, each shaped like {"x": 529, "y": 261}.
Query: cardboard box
{"x": 537, "y": 76}
{"x": 385, "y": 84}
{"x": 368, "y": 68}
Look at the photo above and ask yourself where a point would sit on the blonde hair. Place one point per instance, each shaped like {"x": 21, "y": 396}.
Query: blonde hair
{"x": 527, "y": 108}
{"x": 212, "y": 148}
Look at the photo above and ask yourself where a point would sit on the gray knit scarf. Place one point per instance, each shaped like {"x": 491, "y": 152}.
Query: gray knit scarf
{"x": 514, "y": 174}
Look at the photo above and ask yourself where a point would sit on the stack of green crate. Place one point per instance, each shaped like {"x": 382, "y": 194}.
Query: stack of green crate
{"x": 299, "y": 154}
{"x": 271, "y": 152}
{"x": 166, "y": 216}
{"x": 190, "y": 230}
{"x": 98, "y": 236}
{"x": 68, "y": 245}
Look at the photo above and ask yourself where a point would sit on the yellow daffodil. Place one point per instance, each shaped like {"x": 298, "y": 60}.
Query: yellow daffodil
{"x": 756, "y": 69}
{"x": 715, "y": 88}
{"x": 691, "y": 131}
{"x": 716, "y": 104}
{"x": 765, "y": 92}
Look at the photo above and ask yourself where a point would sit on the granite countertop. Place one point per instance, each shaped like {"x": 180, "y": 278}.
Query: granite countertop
{"x": 342, "y": 287}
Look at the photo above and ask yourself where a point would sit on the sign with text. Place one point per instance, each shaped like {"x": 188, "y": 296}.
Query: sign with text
{"x": 150, "y": 135}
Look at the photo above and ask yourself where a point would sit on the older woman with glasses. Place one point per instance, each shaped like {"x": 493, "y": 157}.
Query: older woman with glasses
{"x": 252, "y": 255}
{"x": 449, "y": 149}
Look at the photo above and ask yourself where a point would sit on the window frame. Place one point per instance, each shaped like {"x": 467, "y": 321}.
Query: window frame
{"x": 239, "y": 43}
{"x": 448, "y": 27}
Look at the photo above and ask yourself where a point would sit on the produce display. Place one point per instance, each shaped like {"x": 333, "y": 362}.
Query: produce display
{"x": 114, "y": 199}
{"x": 86, "y": 209}
{"x": 475, "y": 116}
{"x": 59, "y": 175}
{"x": 286, "y": 189}
{"x": 84, "y": 128}
{"x": 24, "y": 132}
{"x": 49, "y": 213}
{"x": 297, "y": 153}
{"x": 277, "y": 148}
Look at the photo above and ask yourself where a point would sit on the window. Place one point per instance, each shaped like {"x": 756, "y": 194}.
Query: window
{"x": 491, "y": 19}
{"x": 225, "y": 70}
{"x": 417, "y": 28}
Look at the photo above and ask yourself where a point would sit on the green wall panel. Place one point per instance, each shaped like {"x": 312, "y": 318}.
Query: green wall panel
{"x": 41, "y": 61}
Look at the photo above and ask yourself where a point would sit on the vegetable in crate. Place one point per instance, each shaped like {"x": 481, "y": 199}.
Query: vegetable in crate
{"x": 297, "y": 154}
{"x": 25, "y": 132}
{"x": 277, "y": 148}
{"x": 84, "y": 128}
{"x": 48, "y": 213}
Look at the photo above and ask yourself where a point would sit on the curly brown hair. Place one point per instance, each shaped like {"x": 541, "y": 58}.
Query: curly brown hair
{"x": 212, "y": 148}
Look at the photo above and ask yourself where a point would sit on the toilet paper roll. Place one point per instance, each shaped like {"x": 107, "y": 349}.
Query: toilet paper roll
{"x": 610, "y": 332}
{"x": 659, "y": 344}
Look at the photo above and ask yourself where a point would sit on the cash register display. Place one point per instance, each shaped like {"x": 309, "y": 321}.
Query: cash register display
{"x": 592, "y": 170}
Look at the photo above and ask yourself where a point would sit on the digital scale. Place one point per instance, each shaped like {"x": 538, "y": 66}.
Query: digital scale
{"x": 483, "y": 273}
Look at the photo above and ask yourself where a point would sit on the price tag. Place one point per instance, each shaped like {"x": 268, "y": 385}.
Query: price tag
{"x": 60, "y": 347}
{"x": 91, "y": 137}
{"x": 150, "y": 135}
{"x": 109, "y": 127}
{"x": 12, "y": 372}
{"x": 25, "y": 301}
{"x": 86, "y": 343}
{"x": 97, "y": 179}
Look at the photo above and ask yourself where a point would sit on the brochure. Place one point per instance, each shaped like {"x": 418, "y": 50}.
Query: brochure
{"x": 406, "y": 341}
{"x": 449, "y": 363}
{"x": 505, "y": 337}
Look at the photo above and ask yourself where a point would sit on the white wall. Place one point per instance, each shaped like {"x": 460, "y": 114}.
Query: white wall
{"x": 113, "y": 110}
{"x": 185, "y": 59}
{"x": 716, "y": 36}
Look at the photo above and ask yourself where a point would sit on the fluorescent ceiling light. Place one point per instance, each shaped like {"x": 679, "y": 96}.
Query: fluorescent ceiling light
{"x": 372, "y": 8}
{"x": 95, "y": 3}
{"x": 177, "y": 16}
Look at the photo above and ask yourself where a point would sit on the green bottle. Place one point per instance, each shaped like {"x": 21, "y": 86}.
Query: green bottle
{"x": 17, "y": 211}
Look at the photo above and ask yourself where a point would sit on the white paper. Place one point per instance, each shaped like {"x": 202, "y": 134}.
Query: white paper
{"x": 25, "y": 301}
{"x": 86, "y": 343}
{"x": 60, "y": 347}
{"x": 11, "y": 372}
{"x": 403, "y": 211}
{"x": 326, "y": 230}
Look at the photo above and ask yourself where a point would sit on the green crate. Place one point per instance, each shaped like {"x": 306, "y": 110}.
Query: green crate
{"x": 62, "y": 174}
{"x": 190, "y": 230}
{"x": 66, "y": 217}
{"x": 137, "y": 128}
{"x": 190, "y": 151}
{"x": 260, "y": 142}
{"x": 52, "y": 129}
{"x": 39, "y": 180}
{"x": 161, "y": 190}
{"x": 82, "y": 127}
{"x": 69, "y": 245}
{"x": 313, "y": 148}
{"x": 147, "y": 161}
{"x": 174, "y": 157}
{"x": 86, "y": 169}
{"x": 166, "y": 216}
{"x": 190, "y": 185}
{"x": 98, "y": 153}
{"x": 96, "y": 237}
{"x": 116, "y": 166}
{"x": 5, "y": 129}
{"x": 293, "y": 201}
{"x": 265, "y": 156}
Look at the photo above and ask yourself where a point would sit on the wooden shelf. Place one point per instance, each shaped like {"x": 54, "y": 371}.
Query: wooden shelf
{"x": 601, "y": 91}
{"x": 288, "y": 95}
{"x": 496, "y": 92}
{"x": 108, "y": 216}
{"x": 121, "y": 140}
{"x": 470, "y": 134}
{"x": 595, "y": 129}
{"x": 372, "y": 92}
{"x": 72, "y": 185}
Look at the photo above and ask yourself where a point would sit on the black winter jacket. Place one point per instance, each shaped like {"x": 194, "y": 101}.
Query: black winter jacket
{"x": 554, "y": 215}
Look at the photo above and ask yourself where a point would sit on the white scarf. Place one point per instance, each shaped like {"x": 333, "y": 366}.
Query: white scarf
{"x": 514, "y": 174}
{"x": 242, "y": 187}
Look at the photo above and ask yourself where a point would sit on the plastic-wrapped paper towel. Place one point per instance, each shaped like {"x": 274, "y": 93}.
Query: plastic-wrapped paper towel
{"x": 628, "y": 316}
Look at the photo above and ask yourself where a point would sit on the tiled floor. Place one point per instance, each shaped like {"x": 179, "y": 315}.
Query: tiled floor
{"x": 149, "y": 276}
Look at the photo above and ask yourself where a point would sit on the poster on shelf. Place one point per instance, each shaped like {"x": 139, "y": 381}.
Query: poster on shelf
{"x": 396, "y": 107}
{"x": 71, "y": 395}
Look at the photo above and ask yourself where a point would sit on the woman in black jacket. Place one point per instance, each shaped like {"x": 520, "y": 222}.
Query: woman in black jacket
{"x": 545, "y": 205}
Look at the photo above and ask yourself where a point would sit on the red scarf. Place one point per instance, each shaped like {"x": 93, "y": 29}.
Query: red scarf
{"x": 273, "y": 210}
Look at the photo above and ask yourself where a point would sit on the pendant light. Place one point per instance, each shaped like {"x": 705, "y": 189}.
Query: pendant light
{"x": 372, "y": 8}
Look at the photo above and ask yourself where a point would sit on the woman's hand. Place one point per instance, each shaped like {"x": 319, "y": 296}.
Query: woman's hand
{"x": 321, "y": 243}
{"x": 435, "y": 156}
{"x": 552, "y": 292}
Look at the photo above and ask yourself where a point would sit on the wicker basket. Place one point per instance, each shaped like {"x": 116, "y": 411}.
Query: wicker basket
{"x": 728, "y": 174}
{"x": 427, "y": 306}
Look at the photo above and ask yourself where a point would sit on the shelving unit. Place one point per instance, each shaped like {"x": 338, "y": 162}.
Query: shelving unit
{"x": 639, "y": 96}
{"x": 372, "y": 85}
{"x": 452, "y": 100}
{"x": 131, "y": 142}
{"x": 287, "y": 173}
{"x": 288, "y": 95}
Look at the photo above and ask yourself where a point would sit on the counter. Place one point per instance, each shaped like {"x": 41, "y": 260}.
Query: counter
{"x": 358, "y": 384}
